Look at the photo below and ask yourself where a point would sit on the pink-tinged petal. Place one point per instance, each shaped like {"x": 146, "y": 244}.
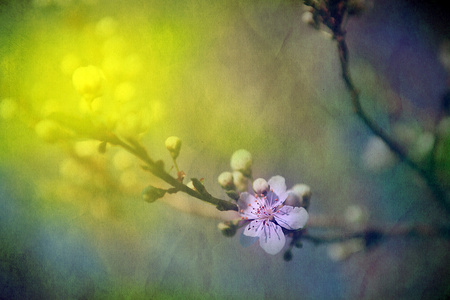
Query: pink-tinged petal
{"x": 246, "y": 205}
{"x": 278, "y": 185}
{"x": 244, "y": 200}
{"x": 291, "y": 218}
{"x": 272, "y": 239}
{"x": 254, "y": 229}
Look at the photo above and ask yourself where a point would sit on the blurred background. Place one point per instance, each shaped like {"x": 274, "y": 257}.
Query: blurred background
{"x": 221, "y": 75}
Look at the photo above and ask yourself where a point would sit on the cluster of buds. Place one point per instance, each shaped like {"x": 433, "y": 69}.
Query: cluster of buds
{"x": 237, "y": 180}
{"x": 89, "y": 81}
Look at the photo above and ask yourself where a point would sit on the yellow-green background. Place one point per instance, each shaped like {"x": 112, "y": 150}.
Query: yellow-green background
{"x": 221, "y": 75}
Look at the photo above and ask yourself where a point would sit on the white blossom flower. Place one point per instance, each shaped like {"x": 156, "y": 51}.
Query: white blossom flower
{"x": 267, "y": 214}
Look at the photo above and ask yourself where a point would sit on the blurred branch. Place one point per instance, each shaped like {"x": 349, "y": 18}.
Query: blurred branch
{"x": 333, "y": 14}
{"x": 369, "y": 232}
{"x": 340, "y": 232}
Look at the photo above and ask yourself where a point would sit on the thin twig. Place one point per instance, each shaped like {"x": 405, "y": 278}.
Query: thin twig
{"x": 158, "y": 171}
{"x": 332, "y": 16}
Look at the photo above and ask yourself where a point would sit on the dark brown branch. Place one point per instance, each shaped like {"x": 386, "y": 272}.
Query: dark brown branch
{"x": 332, "y": 14}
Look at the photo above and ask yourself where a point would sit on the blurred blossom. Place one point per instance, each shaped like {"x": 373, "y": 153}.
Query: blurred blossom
{"x": 123, "y": 160}
{"x": 89, "y": 82}
{"x": 51, "y": 132}
{"x": 405, "y": 134}
{"x": 112, "y": 65}
{"x": 124, "y": 92}
{"x": 307, "y": 18}
{"x": 75, "y": 172}
{"x": 129, "y": 179}
{"x": 86, "y": 148}
{"x": 134, "y": 124}
{"x": 342, "y": 251}
{"x": 51, "y": 106}
{"x": 106, "y": 27}
{"x": 356, "y": 215}
{"x": 299, "y": 196}
{"x": 444, "y": 126}
{"x": 8, "y": 108}
{"x": 69, "y": 64}
{"x": 132, "y": 66}
{"x": 115, "y": 45}
{"x": 423, "y": 145}
{"x": 377, "y": 156}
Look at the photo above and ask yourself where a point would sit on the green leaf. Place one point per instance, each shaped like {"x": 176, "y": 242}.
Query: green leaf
{"x": 200, "y": 187}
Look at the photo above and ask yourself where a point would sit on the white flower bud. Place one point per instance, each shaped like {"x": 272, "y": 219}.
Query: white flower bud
{"x": 423, "y": 146}
{"x": 50, "y": 131}
{"x": 342, "y": 251}
{"x": 241, "y": 160}
{"x": 307, "y": 18}
{"x": 356, "y": 216}
{"x": 106, "y": 27}
{"x": 377, "y": 155}
{"x": 89, "y": 82}
{"x": 240, "y": 181}
{"x": 8, "y": 108}
{"x": 173, "y": 144}
{"x": 227, "y": 228}
{"x": 191, "y": 185}
{"x": 260, "y": 186}
{"x": 226, "y": 180}
{"x": 299, "y": 196}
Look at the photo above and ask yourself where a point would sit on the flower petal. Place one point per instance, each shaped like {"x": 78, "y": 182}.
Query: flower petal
{"x": 278, "y": 185}
{"x": 245, "y": 203}
{"x": 291, "y": 218}
{"x": 254, "y": 228}
{"x": 272, "y": 239}
{"x": 246, "y": 241}
{"x": 244, "y": 200}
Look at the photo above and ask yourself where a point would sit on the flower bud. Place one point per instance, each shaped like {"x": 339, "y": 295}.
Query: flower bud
{"x": 377, "y": 155}
{"x": 260, "y": 186}
{"x": 173, "y": 144}
{"x": 356, "y": 216}
{"x": 191, "y": 185}
{"x": 89, "y": 82}
{"x": 240, "y": 181}
{"x": 50, "y": 131}
{"x": 150, "y": 194}
{"x": 227, "y": 228}
{"x": 8, "y": 108}
{"x": 226, "y": 180}
{"x": 299, "y": 196}
{"x": 241, "y": 160}
{"x": 287, "y": 256}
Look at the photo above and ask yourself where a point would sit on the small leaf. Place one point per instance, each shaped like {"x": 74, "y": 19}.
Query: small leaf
{"x": 200, "y": 187}
{"x": 102, "y": 147}
{"x": 233, "y": 195}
